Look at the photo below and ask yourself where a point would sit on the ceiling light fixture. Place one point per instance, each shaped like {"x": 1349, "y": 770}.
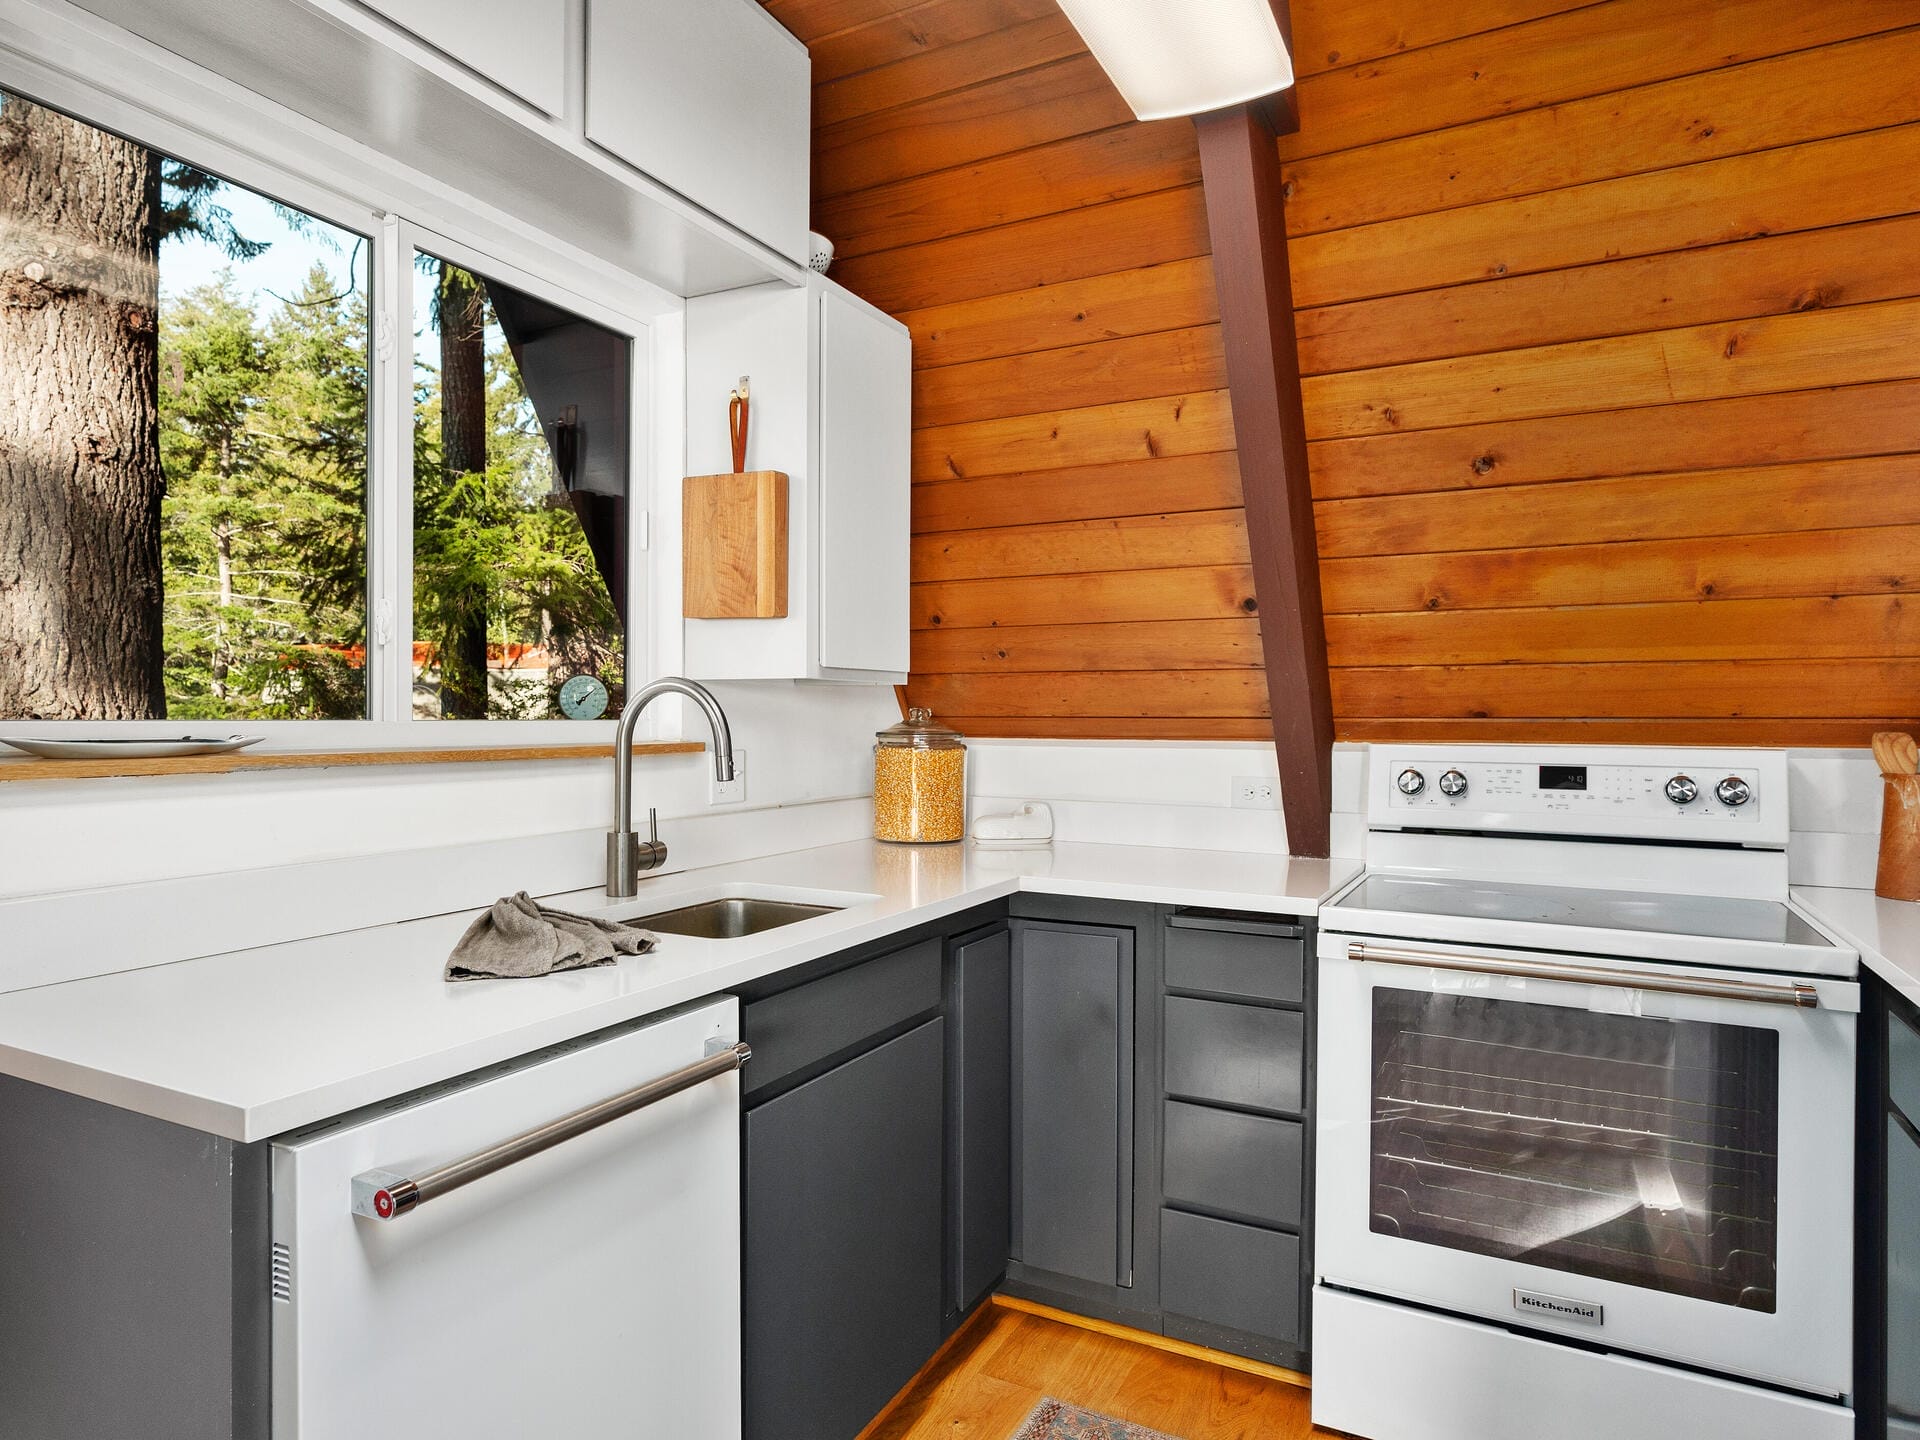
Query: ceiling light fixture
{"x": 1182, "y": 57}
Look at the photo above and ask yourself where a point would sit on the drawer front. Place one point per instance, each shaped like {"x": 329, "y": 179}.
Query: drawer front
{"x": 1236, "y": 958}
{"x": 802, "y": 1026}
{"x": 1235, "y": 1054}
{"x": 1242, "y": 1165}
{"x": 1232, "y": 1275}
{"x": 1903, "y": 1067}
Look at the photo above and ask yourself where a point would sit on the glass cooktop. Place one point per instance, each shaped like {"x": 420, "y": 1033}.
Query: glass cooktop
{"x": 1707, "y": 916}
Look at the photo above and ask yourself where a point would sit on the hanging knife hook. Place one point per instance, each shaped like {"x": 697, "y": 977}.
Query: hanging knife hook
{"x": 738, "y": 408}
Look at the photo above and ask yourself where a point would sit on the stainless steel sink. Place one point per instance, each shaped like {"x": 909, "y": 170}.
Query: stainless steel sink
{"x": 731, "y": 918}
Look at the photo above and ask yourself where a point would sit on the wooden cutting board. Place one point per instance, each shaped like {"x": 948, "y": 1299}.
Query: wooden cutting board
{"x": 734, "y": 546}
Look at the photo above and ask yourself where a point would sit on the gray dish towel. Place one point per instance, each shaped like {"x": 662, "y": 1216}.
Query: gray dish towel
{"x": 518, "y": 937}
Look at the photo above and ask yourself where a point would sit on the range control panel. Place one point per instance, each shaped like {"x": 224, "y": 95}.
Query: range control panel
{"x": 1733, "y": 796}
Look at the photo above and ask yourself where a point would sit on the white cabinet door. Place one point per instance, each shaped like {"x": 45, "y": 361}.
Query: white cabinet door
{"x": 866, "y": 452}
{"x": 712, "y": 99}
{"x": 520, "y": 45}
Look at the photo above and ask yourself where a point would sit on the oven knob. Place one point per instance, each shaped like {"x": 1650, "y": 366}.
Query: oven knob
{"x": 1411, "y": 782}
{"x": 1681, "y": 790}
{"x": 1733, "y": 791}
{"x": 1453, "y": 784}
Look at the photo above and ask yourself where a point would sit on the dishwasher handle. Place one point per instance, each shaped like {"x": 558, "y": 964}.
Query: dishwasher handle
{"x": 386, "y": 1195}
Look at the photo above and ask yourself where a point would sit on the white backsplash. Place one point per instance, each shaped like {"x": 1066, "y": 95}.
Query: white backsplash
{"x": 103, "y": 875}
{"x": 1133, "y": 792}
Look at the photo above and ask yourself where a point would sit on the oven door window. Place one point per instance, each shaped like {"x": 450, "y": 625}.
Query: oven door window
{"x": 1629, "y": 1149}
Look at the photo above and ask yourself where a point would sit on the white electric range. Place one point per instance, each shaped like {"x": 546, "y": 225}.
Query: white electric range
{"x": 1585, "y": 1107}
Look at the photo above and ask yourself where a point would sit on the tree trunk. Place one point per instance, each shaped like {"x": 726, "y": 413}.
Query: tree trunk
{"x": 80, "y": 479}
{"x": 463, "y": 450}
{"x": 222, "y": 642}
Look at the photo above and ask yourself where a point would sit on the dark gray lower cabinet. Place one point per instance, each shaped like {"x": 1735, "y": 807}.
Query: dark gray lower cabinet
{"x": 1073, "y": 1143}
{"x": 1102, "y": 1106}
{"x": 1903, "y": 1278}
{"x": 1236, "y": 1166}
{"x": 133, "y": 1275}
{"x": 1892, "y": 1028}
{"x": 843, "y": 1253}
{"x": 980, "y": 1115}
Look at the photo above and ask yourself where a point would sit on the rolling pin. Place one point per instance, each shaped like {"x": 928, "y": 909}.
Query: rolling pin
{"x": 1898, "y": 876}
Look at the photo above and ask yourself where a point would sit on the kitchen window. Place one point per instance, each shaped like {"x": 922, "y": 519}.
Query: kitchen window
{"x": 520, "y": 461}
{"x": 183, "y": 439}
{"x": 255, "y": 477}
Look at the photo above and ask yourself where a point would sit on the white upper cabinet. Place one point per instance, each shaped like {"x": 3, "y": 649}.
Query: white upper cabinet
{"x": 831, "y": 380}
{"x": 520, "y": 45}
{"x": 712, "y": 98}
{"x": 866, "y": 384}
{"x": 696, "y": 179}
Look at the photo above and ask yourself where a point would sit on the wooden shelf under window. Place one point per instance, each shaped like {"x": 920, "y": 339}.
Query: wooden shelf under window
{"x": 29, "y": 767}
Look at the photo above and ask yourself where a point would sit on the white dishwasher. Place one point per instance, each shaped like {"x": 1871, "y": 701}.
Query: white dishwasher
{"x": 548, "y": 1248}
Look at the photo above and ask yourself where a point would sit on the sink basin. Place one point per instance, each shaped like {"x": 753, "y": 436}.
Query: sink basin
{"x": 731, "y": 917}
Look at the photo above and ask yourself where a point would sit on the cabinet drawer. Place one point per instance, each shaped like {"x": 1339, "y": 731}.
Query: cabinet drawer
{"x": 1243, "y": 1165}
{"x": 1223, "y": 955}
{"x": 811, "y": 1022}
{"x": 1235, "y": 1054}
{"x": 1903, "y": 1067}
{"x": 1232, "y": 1275}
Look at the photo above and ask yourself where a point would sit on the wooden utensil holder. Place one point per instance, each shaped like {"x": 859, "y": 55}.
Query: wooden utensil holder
{"x": 1899, "y": 873}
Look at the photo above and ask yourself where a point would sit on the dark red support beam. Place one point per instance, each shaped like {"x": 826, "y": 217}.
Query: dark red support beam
{"x": 1246, "y": 216}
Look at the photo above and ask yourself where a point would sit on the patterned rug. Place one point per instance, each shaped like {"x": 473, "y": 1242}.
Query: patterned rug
{"x": 1052, "y": 1420}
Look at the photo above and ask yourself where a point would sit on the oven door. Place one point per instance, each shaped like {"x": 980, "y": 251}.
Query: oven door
{"x": 1655, "y": 1159}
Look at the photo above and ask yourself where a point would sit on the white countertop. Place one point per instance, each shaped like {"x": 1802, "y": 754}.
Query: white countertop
{"x": 1885, "y": 932}
{"x": 253, "y": 1043}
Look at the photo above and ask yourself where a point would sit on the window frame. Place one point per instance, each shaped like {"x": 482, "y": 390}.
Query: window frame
{"x": 409, "y": 239}
{"x": 190, "y": 128}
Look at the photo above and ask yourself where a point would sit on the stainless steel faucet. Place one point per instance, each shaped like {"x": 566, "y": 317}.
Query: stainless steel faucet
{"x": 627, "y": 853}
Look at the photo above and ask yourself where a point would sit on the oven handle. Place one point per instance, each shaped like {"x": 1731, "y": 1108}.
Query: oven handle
{"x": 1794, "y": 992}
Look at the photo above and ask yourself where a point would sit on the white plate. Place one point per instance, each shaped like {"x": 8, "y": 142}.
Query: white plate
{"x": 131, "y": 749}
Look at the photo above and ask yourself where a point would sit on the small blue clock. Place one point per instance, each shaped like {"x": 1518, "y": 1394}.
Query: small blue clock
{"x": 583, "y": 697}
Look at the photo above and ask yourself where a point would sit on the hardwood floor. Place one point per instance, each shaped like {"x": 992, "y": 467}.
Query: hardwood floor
{"x": 998, "y": 1369}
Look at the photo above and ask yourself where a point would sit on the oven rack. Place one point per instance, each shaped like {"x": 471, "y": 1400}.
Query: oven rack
{"x": 1731, "y": 1273}
{"x": 1667, "y": 1117}
{"x": 1399, "y": 1110}
{"x": 1571, "y": 1162}
{"x": 1534, "y": 1194}
{"x": 1733, "y": 1269}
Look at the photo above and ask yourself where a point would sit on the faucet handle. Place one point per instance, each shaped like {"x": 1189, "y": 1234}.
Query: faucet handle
{"x": 653, "y": 854}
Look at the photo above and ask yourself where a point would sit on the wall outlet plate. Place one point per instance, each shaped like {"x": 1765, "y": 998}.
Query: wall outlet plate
{"x": 730, "y": 792}
{"x": 1252, "y": 792}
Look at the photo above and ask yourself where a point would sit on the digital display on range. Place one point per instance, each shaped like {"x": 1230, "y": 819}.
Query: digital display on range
{"x": 1563, "y": 777}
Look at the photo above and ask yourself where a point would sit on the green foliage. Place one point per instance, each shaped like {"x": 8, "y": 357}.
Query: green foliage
{"x": 263, "y": 441}
{"x": 264, "y": 527}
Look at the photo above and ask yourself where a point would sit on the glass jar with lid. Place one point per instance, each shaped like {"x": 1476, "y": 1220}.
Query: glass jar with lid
{"x": 919, "y": 782}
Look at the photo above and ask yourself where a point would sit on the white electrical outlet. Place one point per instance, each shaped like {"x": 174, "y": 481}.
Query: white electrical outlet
{"x": 1250, "y": 792}
{"x": 734, "y": 791}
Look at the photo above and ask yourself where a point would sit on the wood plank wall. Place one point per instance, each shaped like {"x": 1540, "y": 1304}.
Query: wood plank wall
{"x": 1610, "y": 316}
